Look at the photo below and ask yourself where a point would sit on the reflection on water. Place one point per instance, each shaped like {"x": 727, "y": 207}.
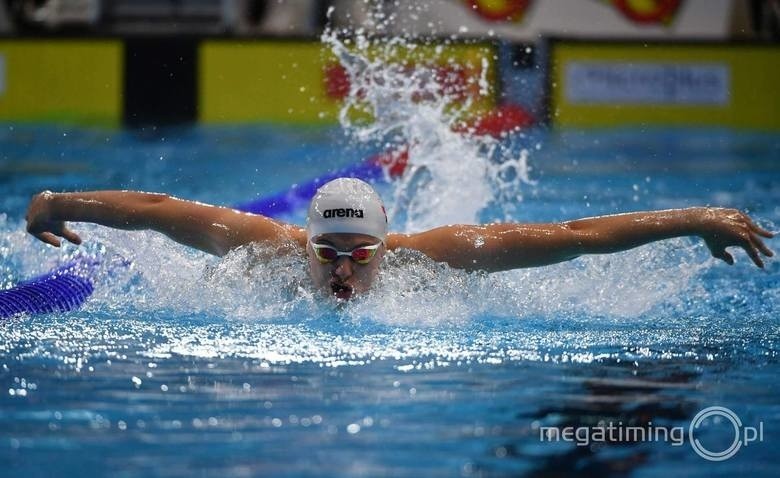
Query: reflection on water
{"x": 223, "y": 415}
{"x": 626, "y": 397}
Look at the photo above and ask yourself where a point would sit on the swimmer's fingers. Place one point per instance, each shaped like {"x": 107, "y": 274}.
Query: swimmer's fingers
{"x": 52, "y": 235}
{"x": 730, "y": 227}
{"x": 759, "y": 230}
{"x": 751, "y": 245}
{"x": 759, "y": 244}
{"x": 48, "y": 238}
{"x": 724, "y": 256}
{"x": 70, "y": 235}
{"x": 752, "y": 251}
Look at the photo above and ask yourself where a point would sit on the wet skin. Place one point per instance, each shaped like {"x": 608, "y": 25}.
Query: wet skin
{"x": 344, "y": 278}
{"x": 490, "y": 247}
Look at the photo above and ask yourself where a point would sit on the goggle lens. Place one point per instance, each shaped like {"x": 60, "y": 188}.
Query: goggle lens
{"x": 362, "y": 255}
{"x": 326, "y": 254}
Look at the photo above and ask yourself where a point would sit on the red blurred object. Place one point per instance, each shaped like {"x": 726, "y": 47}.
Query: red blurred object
{"x": 500, "y": 10}
{"x": 504, "y": 119}
{"x": 393, "y": 161}
{"x": 455, "y": 82}
{"x": 660, "y": 11}
{"x": 336, "y": 81}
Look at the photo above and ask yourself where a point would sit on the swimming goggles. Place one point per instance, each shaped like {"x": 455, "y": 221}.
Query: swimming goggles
{"x": 327, "y": 254}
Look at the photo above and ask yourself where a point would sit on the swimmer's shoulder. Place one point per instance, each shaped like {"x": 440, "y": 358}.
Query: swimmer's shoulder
{"x": 432, "y": 238}
{"x": 263, "y": 229}
{"x": 397, "y": 241}
{"x": 296, "y": 234}
{"x": 417, "y": 241}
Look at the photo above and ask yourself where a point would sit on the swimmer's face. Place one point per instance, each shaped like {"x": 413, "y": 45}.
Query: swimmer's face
{"x": 344, "y": 278}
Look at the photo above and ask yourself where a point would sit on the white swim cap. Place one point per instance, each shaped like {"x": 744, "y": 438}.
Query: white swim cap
{"x": 346, "y": 205}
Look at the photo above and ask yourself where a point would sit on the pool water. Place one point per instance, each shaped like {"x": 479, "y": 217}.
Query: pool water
{"x": 182, "y": 364}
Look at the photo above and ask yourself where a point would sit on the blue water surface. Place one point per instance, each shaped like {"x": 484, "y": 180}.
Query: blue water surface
{"x": 181, "y": 364}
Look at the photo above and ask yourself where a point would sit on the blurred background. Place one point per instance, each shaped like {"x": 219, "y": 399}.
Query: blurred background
{"x": 559, "y": 62}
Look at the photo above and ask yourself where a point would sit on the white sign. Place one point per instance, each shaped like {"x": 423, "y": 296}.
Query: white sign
{"x": 608, "y": 19}
{"x": 656, "y": 83}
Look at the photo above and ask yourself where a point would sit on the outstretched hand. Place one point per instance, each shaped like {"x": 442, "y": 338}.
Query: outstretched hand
{"x": 723, "y": 227}
{"x": 42, "y": 226}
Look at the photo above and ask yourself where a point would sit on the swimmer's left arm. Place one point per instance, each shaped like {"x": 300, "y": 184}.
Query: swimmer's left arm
{"x": 497, "y": 247}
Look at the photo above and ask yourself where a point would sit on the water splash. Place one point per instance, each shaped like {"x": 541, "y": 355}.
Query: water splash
{"x": 452, "y": 174}
{"x": 256, "y": 283}
{"x": 259, "y": 284}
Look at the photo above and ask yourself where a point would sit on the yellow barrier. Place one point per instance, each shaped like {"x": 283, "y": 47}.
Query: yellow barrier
{"x": 238, "y": 81}
{"x": 686, "y": 84}
{"x": 301, "y": 82}
{"x": 68, "y": 81}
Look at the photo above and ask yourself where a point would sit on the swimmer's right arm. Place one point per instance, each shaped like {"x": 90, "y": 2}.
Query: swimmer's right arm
{"x": 211, "y": 229}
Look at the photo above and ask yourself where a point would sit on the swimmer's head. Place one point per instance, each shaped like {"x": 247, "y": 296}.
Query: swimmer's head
{"x": 346, "y": 205}
{"x": 346, "y": 228}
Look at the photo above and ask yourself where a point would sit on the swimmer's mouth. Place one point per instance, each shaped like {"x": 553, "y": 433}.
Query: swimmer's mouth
{"x": 341, "y": 291}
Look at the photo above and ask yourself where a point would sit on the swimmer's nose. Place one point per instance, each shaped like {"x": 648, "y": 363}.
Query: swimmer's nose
{"x": 342, "y": 268}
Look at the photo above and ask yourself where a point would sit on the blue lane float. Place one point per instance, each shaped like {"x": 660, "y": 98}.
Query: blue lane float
{"x": 299, "y": 195}
{"x": 67, "y": 287}
{"x": 62, "y": 289}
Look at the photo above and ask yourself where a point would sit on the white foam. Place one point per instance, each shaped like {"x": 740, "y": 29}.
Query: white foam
{"x": 450, "y": 176}
{"x": 255, "y": 283}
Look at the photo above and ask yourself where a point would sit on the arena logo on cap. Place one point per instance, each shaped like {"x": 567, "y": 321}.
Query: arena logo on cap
{"x": 342, "y": 212}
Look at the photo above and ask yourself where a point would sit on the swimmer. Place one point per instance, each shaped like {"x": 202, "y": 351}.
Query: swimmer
{"x": 346, "y": 235}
